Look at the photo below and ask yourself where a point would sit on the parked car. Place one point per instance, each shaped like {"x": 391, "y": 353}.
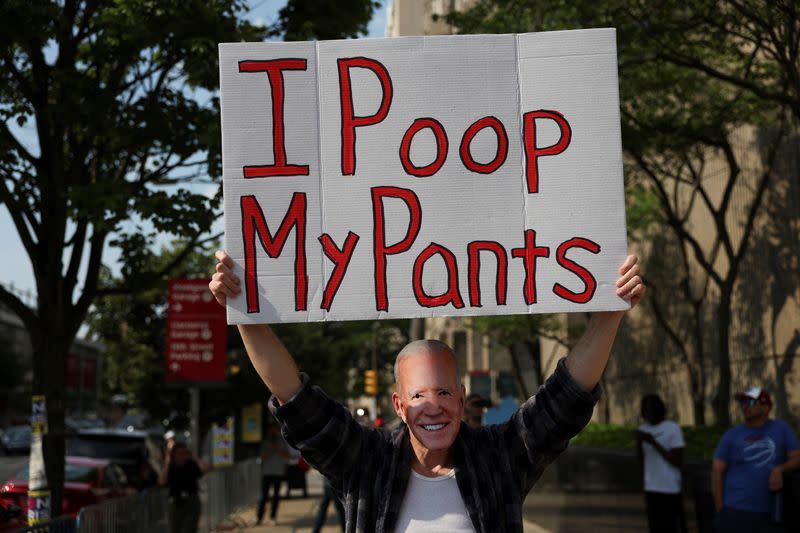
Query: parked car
{"x": 16, "y": 440}
{"x": 73, "y": 424}
{"x": 138, "y": 422}
{"x": 139, "y": 453}
{"x": 86, "y": 481}
{"x": 11, "y": 518}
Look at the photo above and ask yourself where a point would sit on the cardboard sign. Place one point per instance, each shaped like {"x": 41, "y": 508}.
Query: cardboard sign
{"x": 197, "y": 334}
{"x": 251, "y": 423}
{"x": 423, "y": 176}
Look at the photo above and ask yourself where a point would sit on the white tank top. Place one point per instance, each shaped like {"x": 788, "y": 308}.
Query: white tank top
{"x": 433, "y": 504}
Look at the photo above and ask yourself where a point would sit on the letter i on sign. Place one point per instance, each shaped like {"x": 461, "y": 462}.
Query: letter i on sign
{"x": 274, "y": 70}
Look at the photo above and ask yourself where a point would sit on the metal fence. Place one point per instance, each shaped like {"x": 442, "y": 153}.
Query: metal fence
{"x": 140, "y": 513}
{"x": 223, "y": 492}
{"x": 228, "y": 490}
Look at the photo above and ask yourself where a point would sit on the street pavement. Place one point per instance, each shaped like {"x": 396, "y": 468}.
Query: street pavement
{"x": 297, "y": 516}
{"x": 545, "y": 510}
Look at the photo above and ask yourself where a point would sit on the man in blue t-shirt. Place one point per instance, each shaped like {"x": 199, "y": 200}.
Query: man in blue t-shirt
{"x": 749, "y": 464}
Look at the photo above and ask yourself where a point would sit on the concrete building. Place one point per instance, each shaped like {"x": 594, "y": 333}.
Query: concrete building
{"x": 83, "y": 372}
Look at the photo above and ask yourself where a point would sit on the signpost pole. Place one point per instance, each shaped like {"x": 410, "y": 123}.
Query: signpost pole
{"x": 194, "y": 408}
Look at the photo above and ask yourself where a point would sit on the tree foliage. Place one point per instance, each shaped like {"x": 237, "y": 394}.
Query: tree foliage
{"x": 107, "y": 114}
{"x": 521, "y": 334}
{"x": 699, "y": 80}
{"x": 132, "y": 328}
{"x": 303, "y": 20}
{"x": 104, "y": 119}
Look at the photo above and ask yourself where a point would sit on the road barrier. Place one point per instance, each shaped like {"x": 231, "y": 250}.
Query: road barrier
{"x": 223, "y": 492}
{"x": 140, "y": 513}
{"x": 228, "y": 490}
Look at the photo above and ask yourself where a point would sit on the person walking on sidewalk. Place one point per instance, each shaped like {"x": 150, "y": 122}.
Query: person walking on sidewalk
{"x": 181, "y": 473}
{"x": 660, "y": 448}
{"x": 328, "y": 497}
{"x": 274, "y": 460}
{"x": 433, "y": 472}
{"x": 749, "y": 463}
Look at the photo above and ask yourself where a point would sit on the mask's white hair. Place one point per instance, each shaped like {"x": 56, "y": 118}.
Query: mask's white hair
{"x": 431, "y": 346}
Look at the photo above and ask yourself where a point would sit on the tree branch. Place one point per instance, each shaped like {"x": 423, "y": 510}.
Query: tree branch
{"x": 25, "y": 313}
{"x": 14, "y": 141}
{"x": 667, "y": 327}
{"x": 78, "y": 241}
{"x": 16, "y": 212}
{"x": 154, "y": 277}
{"x": 675, "y": 223}
{"x": 759, "y": 195}
{"x": 750, "y": 86}
{"x": 90, "y": 282}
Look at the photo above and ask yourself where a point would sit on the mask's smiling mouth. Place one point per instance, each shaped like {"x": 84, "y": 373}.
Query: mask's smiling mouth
{"x": 433, "y": 427}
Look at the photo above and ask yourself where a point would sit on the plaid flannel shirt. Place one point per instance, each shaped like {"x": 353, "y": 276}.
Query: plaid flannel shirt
{"x": 496, "y": 466}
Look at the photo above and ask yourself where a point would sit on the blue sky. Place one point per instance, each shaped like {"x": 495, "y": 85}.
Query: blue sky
{"x": 17, "y": 268}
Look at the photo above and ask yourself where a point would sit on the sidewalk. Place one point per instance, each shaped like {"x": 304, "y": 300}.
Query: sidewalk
{"x": 296, "y": 515}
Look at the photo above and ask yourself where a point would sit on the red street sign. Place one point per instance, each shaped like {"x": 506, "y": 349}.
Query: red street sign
{"x": 197, "y": 333}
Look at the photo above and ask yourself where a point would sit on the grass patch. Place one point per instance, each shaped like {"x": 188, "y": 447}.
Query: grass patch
{"x": 700, "y": 441}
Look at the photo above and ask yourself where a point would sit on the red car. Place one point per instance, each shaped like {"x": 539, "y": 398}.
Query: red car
{"x": 11, "y": 518}
{"x": 86, "y": 482}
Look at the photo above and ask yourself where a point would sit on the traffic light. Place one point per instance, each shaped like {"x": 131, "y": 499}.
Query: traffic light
{"x": 371, "y": 382}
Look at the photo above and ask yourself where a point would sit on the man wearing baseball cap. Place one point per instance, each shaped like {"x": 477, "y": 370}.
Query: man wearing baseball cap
{"x": 748, "y": 467}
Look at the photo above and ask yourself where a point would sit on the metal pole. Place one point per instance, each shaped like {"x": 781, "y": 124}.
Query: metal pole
{"x": 194, "y": 427}
{"x": 375, "y": 327}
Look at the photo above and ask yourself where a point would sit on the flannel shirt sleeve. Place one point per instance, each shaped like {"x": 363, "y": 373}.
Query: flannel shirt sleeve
{"x": 322, "y": 429}
{"x": 543, "y": 425}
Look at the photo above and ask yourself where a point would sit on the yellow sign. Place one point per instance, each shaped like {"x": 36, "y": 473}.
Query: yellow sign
{"x": 251, "y": 423}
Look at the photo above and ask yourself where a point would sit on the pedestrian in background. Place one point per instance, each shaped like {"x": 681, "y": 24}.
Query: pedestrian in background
{"x": 327, "y": 497}
{"x": 274, "y": 457}
{"x": 748, "y": 468}
{"x": 181, "y": 473}
{"x": 660, "y": 447}
{"x": 474, "y": 406}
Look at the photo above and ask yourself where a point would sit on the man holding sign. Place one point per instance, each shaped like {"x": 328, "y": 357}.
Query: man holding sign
{"x": 433, "y": 471}
{"x": 420, "y": 177}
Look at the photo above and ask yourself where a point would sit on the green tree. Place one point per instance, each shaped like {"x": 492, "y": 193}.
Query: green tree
{"x": 113, "y": 94}
{"x": 521, "y": 334}
{"x": 302, "y": 20}
{"x": 693, "y": 76}
{"x": 132, "y": 329}
{"x": 116, "y": 95}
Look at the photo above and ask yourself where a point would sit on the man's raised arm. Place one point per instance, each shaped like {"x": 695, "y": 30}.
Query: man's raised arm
{"x": 269, "y": 356}
{"x": 587, "y": 360}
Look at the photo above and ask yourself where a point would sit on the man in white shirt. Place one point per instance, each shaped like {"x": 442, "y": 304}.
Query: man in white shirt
{"x": 660, "y": 445}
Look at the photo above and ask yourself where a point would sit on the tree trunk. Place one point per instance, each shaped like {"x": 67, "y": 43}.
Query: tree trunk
{"x": 782, "y": 370}
{"x": 535, "y": 351}
{"x": 699, "y": 395}
{"x": 517, "y": 368}
{"x": 49, "y": 370}
{"x": 723, "y": 397}
{"x": 699, "y": 399}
